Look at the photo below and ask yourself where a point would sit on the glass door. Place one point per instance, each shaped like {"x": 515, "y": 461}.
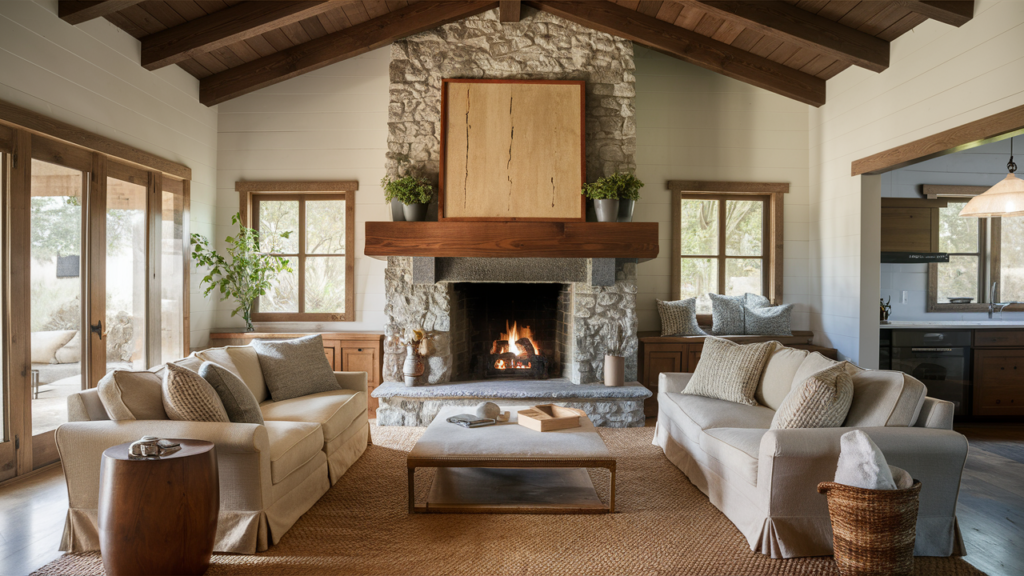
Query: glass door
{"x": 124, "y": 325}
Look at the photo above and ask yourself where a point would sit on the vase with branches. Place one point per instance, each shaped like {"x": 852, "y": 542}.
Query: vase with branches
{"x": 245, "y": 274}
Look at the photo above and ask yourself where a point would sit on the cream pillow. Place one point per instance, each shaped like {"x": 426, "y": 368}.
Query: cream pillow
{"x": 820, "y": 401}
{"x": 186, "y": 396}
{"x": 729, "y": 371}
{"x": 45, "y": 345}
{"x": 130, "y": 395}
{"x": 71, "y": 353}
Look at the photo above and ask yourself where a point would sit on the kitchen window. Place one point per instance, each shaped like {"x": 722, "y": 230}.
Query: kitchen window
{"x": 727, "y": 239}
{"x": 320, "y": 217}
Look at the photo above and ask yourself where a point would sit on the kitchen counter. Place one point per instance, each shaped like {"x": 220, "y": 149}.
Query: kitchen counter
{"x": 952, "y": 325}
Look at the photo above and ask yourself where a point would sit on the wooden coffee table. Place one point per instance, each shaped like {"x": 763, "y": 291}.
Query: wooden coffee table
{"x": 508, "y": 468}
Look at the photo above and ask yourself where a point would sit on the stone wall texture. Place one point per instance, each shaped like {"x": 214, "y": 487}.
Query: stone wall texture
{"x": 539, "y": 47}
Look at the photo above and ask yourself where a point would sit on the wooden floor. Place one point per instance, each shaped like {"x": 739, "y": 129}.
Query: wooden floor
{"x": 990, "y": 511}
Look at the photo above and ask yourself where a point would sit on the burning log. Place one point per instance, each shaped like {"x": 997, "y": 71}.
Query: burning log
{"x": 526, "y": 347}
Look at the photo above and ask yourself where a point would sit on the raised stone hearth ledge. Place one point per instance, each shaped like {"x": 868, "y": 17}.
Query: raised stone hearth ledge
{"x": 614, "y": 407}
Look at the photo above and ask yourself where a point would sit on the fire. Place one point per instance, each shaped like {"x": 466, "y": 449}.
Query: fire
{"x": 513, "y": 334}
{"x": 501, "y": 365}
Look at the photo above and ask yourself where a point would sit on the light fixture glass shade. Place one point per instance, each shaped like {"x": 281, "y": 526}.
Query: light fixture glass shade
{"x": 1005, "y": 199}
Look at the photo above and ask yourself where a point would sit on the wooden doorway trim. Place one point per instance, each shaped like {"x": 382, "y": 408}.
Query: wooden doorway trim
{"x": 992, "y": 128}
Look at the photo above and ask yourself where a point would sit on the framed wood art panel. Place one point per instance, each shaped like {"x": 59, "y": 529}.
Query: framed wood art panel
{"x": 512, "y": 150}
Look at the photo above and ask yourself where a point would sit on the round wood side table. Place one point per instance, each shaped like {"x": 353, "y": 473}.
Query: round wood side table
{"x": 159, "y": 517}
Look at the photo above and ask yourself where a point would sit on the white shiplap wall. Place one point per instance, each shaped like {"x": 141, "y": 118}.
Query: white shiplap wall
{"x": 693, "y": 124}
{"x": 330, "y": 124}
{"x": 89, "y": 76}
{"x": 939, "y": 77}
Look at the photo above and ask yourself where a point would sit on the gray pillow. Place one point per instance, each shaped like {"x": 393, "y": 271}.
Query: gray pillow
{"x": 755, "y": 301}
{"x": 769, "y": 321}
{"x": 727, "y": 315}
{"x": 679, "y": 318}
{"x": 238, "y": 400}
{"x": 293, "y": 368}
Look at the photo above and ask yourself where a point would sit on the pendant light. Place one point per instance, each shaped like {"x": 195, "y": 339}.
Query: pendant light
{"x": 1005, "y": 199}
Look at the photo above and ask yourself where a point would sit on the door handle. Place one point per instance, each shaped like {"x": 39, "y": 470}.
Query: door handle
{"x": 97, "y": 328}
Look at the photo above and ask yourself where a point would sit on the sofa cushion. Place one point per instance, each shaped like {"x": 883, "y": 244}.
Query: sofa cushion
{"x": 191, "y": 362}
{"x": 736, "y": 448}
{"x": 243, "y": 362}
{"x": 187, "y": 396}
{"x": 729, "y": 371}
{"x": 293, "y": 368}
{"x": 46, "y": 344}
{"x": 128, "y": 395}
{"x": 700, "y": 413}
{"x": 71, "y": 353}
{"x": 885, "y": 398}
{"x": 821, "y": 401}
{"x": 777, "y": 380}
{"x": 334, "y": 411}
{"x": 238, "y": 401}
{"x": 292, "y": 444}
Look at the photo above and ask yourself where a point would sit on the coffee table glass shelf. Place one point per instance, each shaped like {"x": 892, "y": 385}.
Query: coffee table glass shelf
{"x": 508, "y": 468}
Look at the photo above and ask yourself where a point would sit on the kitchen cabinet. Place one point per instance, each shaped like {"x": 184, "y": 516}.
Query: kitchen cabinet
{"x": 910, "y": 224}
{"x": 999, "y": 373}
{"x": 345, "y": 351}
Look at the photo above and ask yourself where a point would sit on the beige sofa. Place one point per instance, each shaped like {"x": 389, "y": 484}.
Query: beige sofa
{"x": 269, "y": 475}
{"x": 765, "y": 480}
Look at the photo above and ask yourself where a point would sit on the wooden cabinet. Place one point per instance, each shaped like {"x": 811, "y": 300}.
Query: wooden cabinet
{"x": 345, "y": 351}
{"x": 910, "y": 224}
{"x": 998, "y": 373}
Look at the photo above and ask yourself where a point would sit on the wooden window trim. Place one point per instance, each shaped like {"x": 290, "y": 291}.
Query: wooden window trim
{"x": 773, "y": 195}
{"x": 250, "y": 192}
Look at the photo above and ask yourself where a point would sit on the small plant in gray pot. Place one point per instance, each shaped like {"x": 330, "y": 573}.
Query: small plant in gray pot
{"x": 614, "y": 196}
{"x": 412, "y": 193}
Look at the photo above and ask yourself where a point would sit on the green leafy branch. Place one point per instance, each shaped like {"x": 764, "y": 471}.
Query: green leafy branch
{"x": 407, "y": 189}
{"x": 621, "y": 186}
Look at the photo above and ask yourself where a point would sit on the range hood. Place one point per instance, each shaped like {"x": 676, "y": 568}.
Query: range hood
{"x": 914, "y": 257}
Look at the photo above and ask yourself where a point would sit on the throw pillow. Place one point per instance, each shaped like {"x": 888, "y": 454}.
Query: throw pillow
{"x": 755, "y": 301}
{"x": 187, "y": 396}
{"x": 238, "y": 400}
{"x": 46, "y": 344}
{"x": 128, "y": 395}
{"x": 71, "y": 353}
{"x": 821, "y": 401}
{"x": 727, "y": 315}
{"x": 679, "y": 318}
{"x": 768, "y": 321}
{"x": 293, "y": 368}
{"x": 729, "y": 371}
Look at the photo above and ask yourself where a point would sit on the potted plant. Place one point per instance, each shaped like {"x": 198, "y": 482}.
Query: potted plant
{"x": 246, "y": 274}
{"x": 614, "y": 196}
{"x": 412, "y": 193}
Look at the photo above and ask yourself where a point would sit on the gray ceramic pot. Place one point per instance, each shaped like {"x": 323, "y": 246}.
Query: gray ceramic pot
{"x": 397, "y": 214}
{"x": 626, "y": 210}
{"x": 415, "y": 212}
{"x": 607, "y": 210}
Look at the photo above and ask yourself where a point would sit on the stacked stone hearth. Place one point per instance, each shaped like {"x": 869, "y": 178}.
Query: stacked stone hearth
{"x": 599, "y": 301}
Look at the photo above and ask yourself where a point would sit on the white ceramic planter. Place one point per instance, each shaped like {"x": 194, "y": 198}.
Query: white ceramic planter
{"x": 614, "y": 370}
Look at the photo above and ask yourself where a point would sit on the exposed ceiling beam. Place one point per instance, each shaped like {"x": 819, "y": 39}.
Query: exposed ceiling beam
{"x": 952, "y": 12}
{"x": 222, "y": 28}
{"x": 691, "y": 47}
{"x": 508, "y": 10}
{"x": 786, "y": 22}
{"x": 335, "y": 47}
{"x": 78, "y": 11}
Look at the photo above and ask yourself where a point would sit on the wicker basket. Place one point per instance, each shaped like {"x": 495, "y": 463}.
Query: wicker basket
{"x": 873, "y": 530}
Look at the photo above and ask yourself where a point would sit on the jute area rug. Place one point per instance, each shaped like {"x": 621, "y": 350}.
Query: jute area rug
{"x": 663, "y": 525}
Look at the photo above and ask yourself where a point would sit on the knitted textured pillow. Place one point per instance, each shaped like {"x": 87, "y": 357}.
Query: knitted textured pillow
{"x": 727, "y": 315}
{"x": 188, "y": 397}
{"x": 768, "y": 320}
{"x": 239, "y": 403}
{"x": 293, "y": 368}
{"x": 679, "y": 318}
{"x": 729, "y": 371}
{"x": 820, "y": 401}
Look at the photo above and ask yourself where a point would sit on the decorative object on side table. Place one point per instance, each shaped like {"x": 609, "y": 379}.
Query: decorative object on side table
{"x": 151, "y": 447}
{"x": 158, "y": 515}
{"x": 614, "y": 196}
{"x": 248, "y": 274}
{"x": 418, "y": 343}
{"x": 885, "y": 309}
{"x": 412, "y": 193}
{"x": 549, "y": 417}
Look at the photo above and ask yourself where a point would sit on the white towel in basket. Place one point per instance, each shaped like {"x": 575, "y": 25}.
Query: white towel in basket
{"x": 862, "y": 464}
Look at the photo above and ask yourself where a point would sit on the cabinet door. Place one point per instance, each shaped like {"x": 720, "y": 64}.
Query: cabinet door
{"x": 656, "y": 363}
{"x": 332, "y": 349}
{"x": 693, "y": 357}
{"x": 364, "y": 359}
{"x": 998, "y": 382}
{"x": 910, "y": 229}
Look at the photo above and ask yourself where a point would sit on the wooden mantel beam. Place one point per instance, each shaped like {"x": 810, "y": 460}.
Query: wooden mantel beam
{"x": 222, "y": 28}
{"x": 327, "y": 50}
{"x": 786, "y": 22}
{"x": 78, "y": 11}
{"x": 689, "y": 46}
{"x": 508, "y": 10}
{"x": 952, "y": 12}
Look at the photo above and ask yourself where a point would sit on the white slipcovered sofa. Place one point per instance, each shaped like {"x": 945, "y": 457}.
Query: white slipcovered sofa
{"x": 269, "y": 474}
{"x": 765, "y": 481}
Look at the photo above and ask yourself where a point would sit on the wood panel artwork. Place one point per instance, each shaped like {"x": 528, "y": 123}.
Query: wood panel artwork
{"x": 512, "y": 150}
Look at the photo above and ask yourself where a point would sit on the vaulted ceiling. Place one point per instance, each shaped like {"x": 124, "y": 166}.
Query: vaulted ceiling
{"x": 790, "y": 47}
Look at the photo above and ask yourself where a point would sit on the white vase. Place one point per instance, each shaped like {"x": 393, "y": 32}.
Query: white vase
{"x": 413, "y": 366}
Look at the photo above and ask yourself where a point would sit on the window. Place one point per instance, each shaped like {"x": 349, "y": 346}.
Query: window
{"x": 320, "y": 217}
{"x": 727, "y": 238}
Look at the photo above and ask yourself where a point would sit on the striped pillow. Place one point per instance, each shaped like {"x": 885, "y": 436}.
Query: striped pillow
{"x": 187, "y": 396}
{"x": 820, "y": 401}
